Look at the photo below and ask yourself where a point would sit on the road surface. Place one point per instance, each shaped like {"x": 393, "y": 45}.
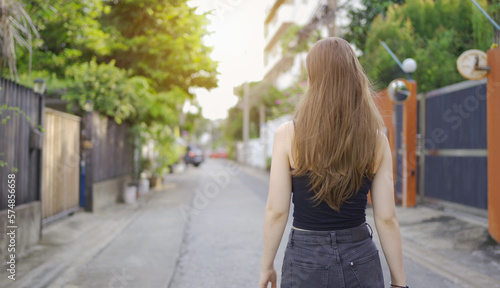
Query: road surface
{"x": 205, "y": 230}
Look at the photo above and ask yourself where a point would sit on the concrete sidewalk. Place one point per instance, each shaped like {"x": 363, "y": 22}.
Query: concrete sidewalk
{"x": 69, "y": 245}
{"x": 454, "y": 245}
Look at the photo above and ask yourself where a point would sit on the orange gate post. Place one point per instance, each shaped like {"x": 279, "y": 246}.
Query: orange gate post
{"x": 386, "y": 108}
{"x": 410, "y": 142}
{"x": 493, "y": 130}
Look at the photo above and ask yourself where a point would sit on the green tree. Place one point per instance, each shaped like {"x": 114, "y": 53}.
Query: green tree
{"x": 298, "y": 39}
{"x": 70, "y": 33}
{"x": 110, "y": 89}
{"x": 433, "y": 33}
{"x": 136, "y": 60}
{"x": 161, "y": 40}
{"x": 16, "y": 29}
{"x": 362, "y": 18}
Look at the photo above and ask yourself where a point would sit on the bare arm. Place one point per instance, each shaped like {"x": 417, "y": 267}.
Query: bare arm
{"x": 278, "y": 205}
{"x": 384, "y": 211}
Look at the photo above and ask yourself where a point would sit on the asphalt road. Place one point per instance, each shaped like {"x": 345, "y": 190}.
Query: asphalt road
{"x": 205, "y": 230}
{"x": 222, "y": 244}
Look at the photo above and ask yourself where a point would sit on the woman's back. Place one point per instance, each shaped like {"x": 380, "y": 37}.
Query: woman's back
{"x": 336, "y": 123}
{"x": 326, "y": 161}
{"x": 308, "y": 215}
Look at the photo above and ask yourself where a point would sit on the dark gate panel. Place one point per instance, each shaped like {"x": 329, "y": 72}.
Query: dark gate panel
{"x": 112, "y": 149}
{"x": 455, "y": 144}
{"x": 456, "y": 120}
{"x": 399, "y": 156}
{"x": 15, "y": 135}
{"x": 111, "y": 153}
{"x": 461, "y": 180}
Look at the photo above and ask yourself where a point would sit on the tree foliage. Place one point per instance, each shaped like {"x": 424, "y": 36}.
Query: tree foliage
{"x": 362, "y": 19}
{"x": 298, "y": 39}
{"x": 109, "y": 88}
{"x": 70, "y": 33}
{"x": 16, "y": 27}
{"x": 276, "y": 103}
{"x": 161, "y": 40}
{"x": 136, "y": 60}
{"x": 433, "y": 33}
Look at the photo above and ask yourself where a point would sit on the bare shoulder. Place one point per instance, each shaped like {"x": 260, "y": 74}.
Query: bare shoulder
{"x": 381, "y": 148}
{"x": 283, "y": 137}
{"x": 382, "y": 141}
{"x": 285, "y": 130}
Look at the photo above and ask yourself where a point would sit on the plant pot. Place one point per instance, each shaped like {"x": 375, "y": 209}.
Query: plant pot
{"x": 130, "y": 194}
{"x": 155, "y": 182}
{"x": 144, "y": 186}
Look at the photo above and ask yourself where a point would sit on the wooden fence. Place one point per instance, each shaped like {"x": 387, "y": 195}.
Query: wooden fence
{"x": 110, "y": 154}
{"x": 61, "y": 163}
{"x": 20, "y": 141}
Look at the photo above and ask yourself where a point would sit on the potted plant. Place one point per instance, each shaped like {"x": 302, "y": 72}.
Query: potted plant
{"x": 160, "y": 167}
{"x": 156, "y": 177}
{"x": 144, "y": 175}
{"x": 130, "y": 193}
{"x": 143, "y": 185}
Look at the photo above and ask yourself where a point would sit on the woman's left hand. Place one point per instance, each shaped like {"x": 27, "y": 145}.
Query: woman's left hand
{"x": 267, "y": 276}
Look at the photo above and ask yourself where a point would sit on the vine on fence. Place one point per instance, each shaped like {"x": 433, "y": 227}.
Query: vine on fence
{"x": 17, "y": 112}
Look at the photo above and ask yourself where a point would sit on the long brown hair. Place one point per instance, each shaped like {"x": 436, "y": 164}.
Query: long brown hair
{"x": 336, "y": 124}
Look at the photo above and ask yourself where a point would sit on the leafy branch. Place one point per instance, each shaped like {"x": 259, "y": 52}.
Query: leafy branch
{"x": 298, "y": 39}
{"x": 17, "y": 112}
{"x": 15, "y": 26}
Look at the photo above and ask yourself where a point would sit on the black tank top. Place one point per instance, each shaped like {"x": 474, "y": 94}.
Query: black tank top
{"x": 321, "y": 217}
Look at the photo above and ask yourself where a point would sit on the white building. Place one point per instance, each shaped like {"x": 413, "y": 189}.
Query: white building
{"x": 327, "y": 16}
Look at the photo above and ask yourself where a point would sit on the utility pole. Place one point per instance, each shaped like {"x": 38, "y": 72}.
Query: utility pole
{"x": 263, "y": 131}
{"x": 262, "y": 114}
{"x": 246, "y": 119}
{"x": 332, "y": 26}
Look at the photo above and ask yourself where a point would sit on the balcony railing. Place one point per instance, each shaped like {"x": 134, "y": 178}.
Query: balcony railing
{"x": 283, "y": 17}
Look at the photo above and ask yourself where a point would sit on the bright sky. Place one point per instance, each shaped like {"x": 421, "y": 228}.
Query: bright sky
{"x": 237, "y": 37}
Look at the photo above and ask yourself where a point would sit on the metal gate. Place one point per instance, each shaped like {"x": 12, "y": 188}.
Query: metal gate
{"x": 453, "y": 146}
{"x": 452, "y": 149}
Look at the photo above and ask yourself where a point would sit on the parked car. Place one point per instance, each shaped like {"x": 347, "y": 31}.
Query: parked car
{"x": 193, "y": 156}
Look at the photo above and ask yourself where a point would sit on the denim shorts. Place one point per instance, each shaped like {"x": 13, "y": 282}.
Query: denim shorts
{"x": 341, "y": 259}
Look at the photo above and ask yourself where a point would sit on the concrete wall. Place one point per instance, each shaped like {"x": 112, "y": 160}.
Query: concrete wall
{"x": 28, "y": 222}
{"x": 261, "y": 148}
{"x": 108, "y": 192}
